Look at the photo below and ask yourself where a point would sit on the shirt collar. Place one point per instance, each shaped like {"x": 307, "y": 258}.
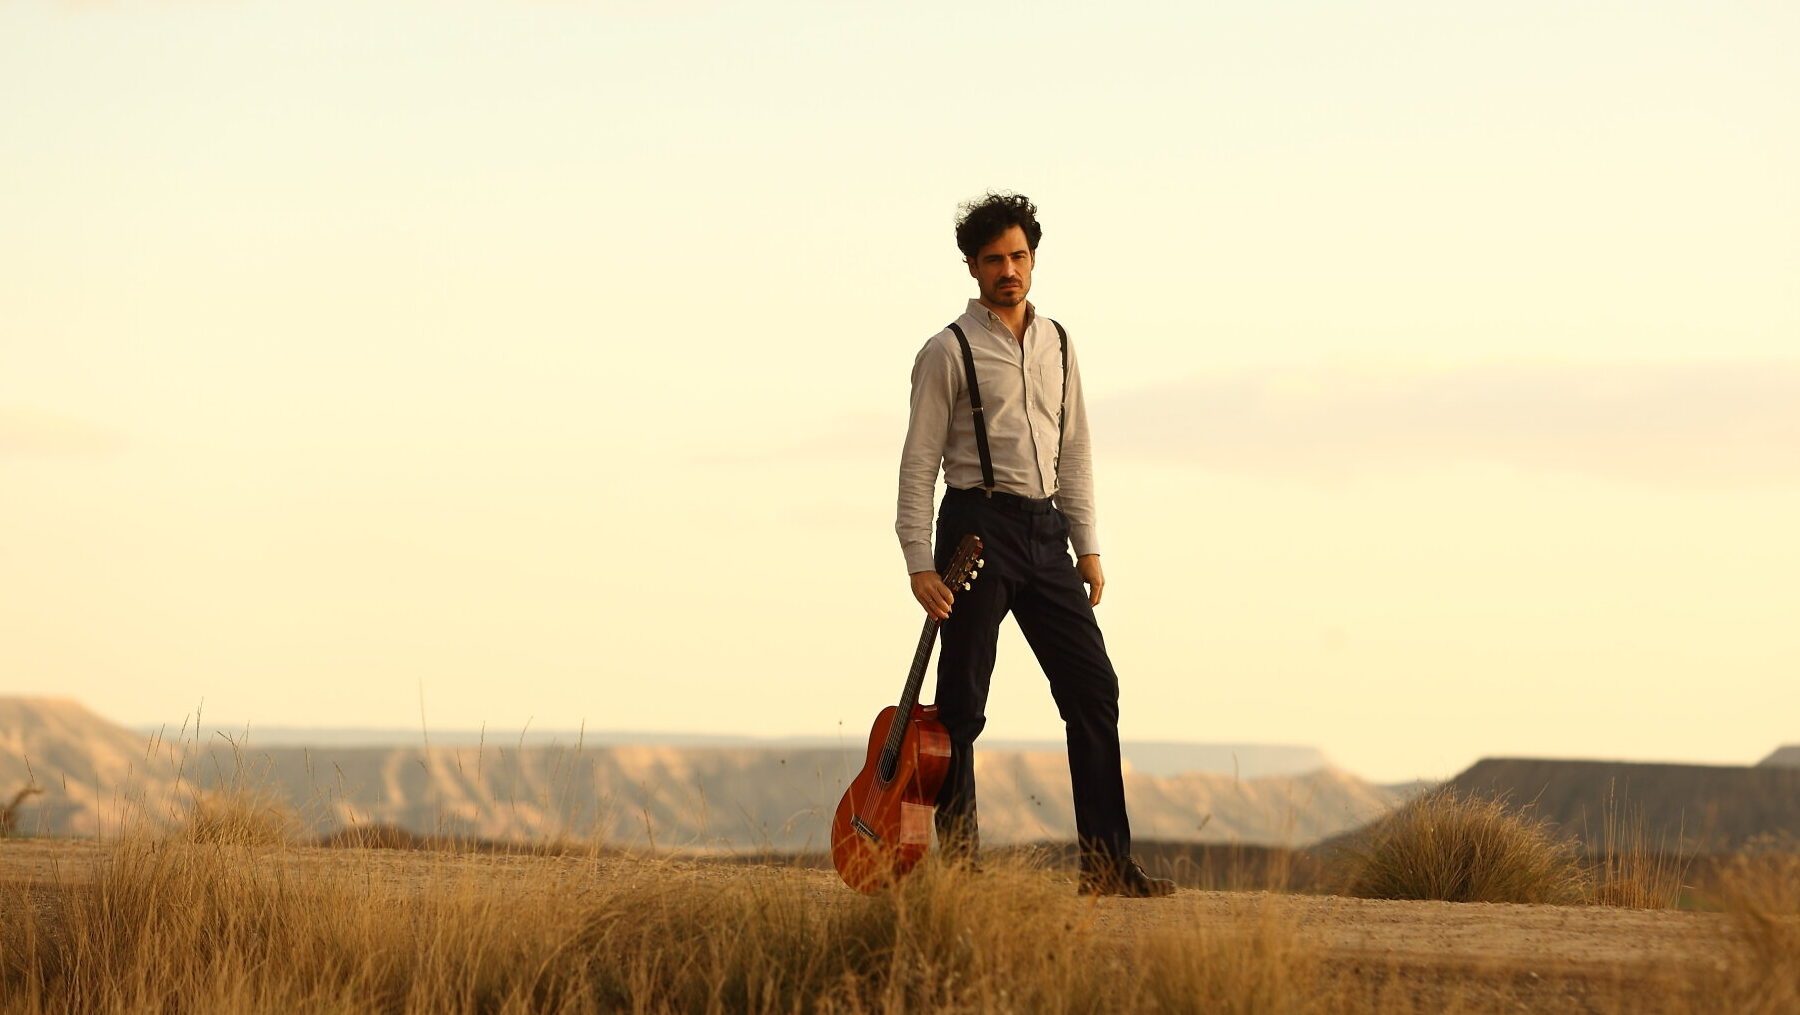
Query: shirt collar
{"x": 984, "y": 316}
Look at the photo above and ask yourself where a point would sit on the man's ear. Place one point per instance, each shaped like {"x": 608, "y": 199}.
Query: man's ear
{"x": 970, "y": 263}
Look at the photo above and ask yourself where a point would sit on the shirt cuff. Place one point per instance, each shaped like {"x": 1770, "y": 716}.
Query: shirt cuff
{"x": 1085, "y": 539}
{"x": 918, "y": 557}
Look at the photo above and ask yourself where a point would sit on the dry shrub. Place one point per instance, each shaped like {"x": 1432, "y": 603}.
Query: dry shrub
{"x": 376, "y": 836}
{"x": 9, "y": 814}
{"x": 1462, "y": 848}
{"x": 239, "y": 817}
{"x": 1760, "y": 890}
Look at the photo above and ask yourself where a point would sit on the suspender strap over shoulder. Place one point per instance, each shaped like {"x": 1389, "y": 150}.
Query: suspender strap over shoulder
{"x": 981, "y": 438}
{"x": 1062, "y": 411}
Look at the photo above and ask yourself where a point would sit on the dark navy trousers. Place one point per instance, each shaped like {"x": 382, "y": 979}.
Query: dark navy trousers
{"x": 1030, "y": 574}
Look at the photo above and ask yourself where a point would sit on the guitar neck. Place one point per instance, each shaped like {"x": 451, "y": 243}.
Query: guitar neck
{"x": 964, "y": 565}
{"x": 909, "y": 695}
{"x": 915, "y": 677}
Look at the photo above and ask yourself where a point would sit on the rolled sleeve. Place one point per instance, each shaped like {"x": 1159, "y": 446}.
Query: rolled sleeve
{"x": 1075, "y": 470}
{"x": 927, "y": 432}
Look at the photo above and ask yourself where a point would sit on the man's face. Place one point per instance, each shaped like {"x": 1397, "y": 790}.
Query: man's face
{"x": 1003, "y": 269}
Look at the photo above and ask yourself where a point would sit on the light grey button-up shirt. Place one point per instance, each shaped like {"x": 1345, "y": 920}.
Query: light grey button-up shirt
{"x": 1021, "y": 396}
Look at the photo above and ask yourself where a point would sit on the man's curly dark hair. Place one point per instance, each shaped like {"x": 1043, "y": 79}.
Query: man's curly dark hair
{"x": 982, "y": 222}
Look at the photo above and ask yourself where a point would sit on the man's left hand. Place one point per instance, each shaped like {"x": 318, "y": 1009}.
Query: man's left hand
{"x": 1088, "y": 566}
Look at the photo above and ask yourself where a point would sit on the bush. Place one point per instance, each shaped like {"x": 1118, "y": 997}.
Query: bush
{"x": 239, "y": 817}
{"x": 1462, "y": 848}
{"x": 1760, "y": 890}
{"x": 377, "y": 836}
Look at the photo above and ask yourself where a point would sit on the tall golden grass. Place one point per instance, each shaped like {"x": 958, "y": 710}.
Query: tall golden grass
{"x": 177, "y": 925}
{"x": 1630, "y": 870}
{"x": 226, "y": 913}
{"x": 187, "y": 923}
{"x": 1760, "y": 889}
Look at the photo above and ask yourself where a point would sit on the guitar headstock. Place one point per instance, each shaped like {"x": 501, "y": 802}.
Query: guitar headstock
{"x": 966, "y": 565}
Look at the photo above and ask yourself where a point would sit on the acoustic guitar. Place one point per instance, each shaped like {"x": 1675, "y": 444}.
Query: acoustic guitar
{"x": 882, "y": 827}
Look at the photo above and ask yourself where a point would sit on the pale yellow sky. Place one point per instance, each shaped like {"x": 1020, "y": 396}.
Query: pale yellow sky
{"x": 553, "y": 357}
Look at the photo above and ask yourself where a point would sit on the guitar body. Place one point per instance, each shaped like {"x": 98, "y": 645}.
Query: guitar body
{"x": 882, "y": 828}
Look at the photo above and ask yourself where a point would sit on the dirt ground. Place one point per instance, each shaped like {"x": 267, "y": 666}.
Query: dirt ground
{"x": 1470, "y": 957}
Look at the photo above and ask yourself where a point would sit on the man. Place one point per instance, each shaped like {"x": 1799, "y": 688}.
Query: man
{"x": 993, "y": 404}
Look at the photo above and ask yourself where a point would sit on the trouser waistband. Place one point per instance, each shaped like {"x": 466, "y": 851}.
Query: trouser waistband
{"x": 1008, "y": 501}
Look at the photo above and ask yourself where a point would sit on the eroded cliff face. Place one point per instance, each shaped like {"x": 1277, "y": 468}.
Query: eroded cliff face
{"x": 98, "y": 778}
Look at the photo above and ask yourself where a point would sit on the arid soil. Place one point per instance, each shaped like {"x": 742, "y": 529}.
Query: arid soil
{"x": 1472, "y": 957}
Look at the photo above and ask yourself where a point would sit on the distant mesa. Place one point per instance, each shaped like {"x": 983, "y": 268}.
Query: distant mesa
{"x": 1149, "y": 757}
{"x": 742, "y": 794}
{"x": 1696, "y": 808}
{"x": 630, "y": 790}
{"x": 1785, "y": 756}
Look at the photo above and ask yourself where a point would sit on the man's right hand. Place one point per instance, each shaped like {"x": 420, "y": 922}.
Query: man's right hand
{"x": 932, "y": 593}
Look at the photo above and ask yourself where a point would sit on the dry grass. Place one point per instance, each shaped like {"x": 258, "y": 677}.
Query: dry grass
{"x": 178, "y": 926}
{"x": 1457, "y": 848}
{"x": 1760, "y": 889}
{"x": 221, "y": 914}
{"x": 9, "y": 814}
{"x": 240, "y": 817}
{"x": 1631, "y": 871}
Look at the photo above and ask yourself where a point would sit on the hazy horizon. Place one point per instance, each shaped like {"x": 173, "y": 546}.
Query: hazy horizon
{"x": 387, "y": 735}
{"x": 507, "y": 360}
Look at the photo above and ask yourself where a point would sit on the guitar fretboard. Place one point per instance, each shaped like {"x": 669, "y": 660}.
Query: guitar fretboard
{"x": 909, "y": 696}
{"x": 961, "y": 571}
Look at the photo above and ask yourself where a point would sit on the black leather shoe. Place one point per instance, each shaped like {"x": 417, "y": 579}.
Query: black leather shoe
{"x": 1128, "y": 881}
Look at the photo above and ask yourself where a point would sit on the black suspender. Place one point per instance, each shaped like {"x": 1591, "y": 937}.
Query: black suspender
{"x": 981, "y": 438}
{"x": 1062, "y": 339}
{"x": 981, "y": 441}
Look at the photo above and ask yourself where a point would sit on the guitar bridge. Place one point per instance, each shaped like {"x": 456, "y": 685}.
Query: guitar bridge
{"x": 869, "y": 833}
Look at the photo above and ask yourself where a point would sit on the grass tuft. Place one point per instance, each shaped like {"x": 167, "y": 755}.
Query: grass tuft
{"x": 240, "y": 817}
{"x": 1455, "y": 847}
{"x": 1760, "y": 892}
{"x": 1631, "y": 872}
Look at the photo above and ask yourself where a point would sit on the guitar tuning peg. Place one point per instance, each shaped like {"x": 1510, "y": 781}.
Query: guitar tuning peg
{"x": 974, "y": 575}
{"x": 980, "y": 562}
{"x": 965, "y": 586}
